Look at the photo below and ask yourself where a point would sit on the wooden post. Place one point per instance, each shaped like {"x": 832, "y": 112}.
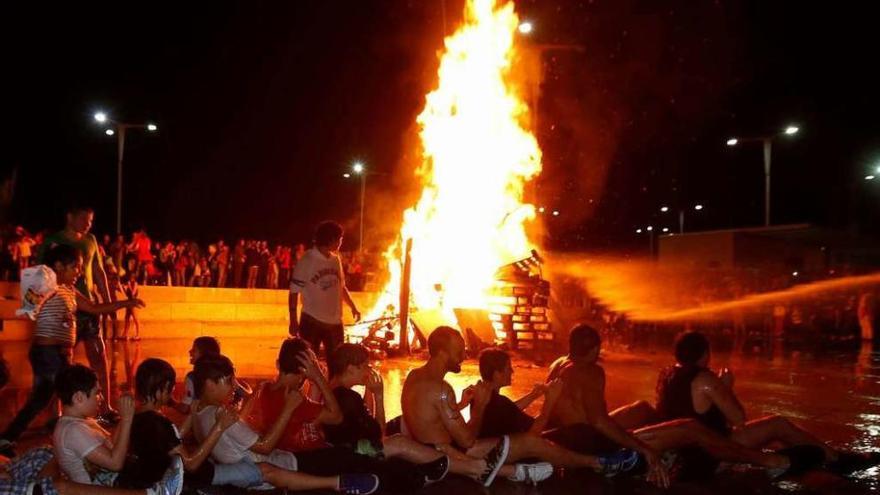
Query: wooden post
{"x": 404, "y": 298}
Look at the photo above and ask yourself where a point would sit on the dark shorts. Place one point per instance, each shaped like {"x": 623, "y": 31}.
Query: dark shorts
{"x": 315, "y": 332}
{"x": 582, "y": 438}
{"x": 88, "y": 326}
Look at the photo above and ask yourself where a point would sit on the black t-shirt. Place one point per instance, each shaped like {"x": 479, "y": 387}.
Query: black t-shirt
{"x": 502, "y": 417}
{"x": 357, "y": 423}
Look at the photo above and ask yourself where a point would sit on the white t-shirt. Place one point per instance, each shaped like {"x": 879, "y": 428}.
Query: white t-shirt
{"x": 320, "y": 280}
{"x": 74, "y": 439}
{"x": 235, "y": 442}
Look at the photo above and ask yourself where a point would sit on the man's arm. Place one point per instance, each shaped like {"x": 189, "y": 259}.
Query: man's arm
{"x": 346, "y": 296}
{"x": 721, "y": 396}
{"x": 100, "y": 278}
{"x": 376, "y": 390}
{"x": 526, "y": 400}
{"x": 463, "y": 433}
{"x": 193, "y": 460}
{"x": 292, "y": 301}
{"x": 551, "y": 395}
{"x": 267, "y": 442}
{"x": 330, "y": 414}
{"x": 85, "y": 304}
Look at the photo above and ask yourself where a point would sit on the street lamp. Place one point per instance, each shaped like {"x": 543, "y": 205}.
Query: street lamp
{"x": 358, "y": 168}
{"x": 525, "y": 27}
{"x": 869, "y": 177}
{"x": 118, "y": 129}
{"x": 665, "y": 209}
{"x": 768, "y": 143}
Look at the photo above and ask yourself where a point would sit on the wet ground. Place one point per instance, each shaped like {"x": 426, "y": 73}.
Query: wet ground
{"x": 835, "y": 395}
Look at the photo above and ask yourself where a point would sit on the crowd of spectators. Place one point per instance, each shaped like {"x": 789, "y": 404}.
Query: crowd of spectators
{"x": 248, "y": 263}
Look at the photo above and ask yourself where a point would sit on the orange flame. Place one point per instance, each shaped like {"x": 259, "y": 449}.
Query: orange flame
{"x": 477, "y": 159}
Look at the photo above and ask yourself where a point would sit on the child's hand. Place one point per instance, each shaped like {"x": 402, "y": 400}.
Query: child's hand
{"x": 310, "y": 366}
{"x": 126, "y": 407}
{"x": 226, "y": 418}
{"x": 293, "y": 398}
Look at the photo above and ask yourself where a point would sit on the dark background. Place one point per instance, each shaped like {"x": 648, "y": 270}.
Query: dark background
{"x": 261, "y": 107}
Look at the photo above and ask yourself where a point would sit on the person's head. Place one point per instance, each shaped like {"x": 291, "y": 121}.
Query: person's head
{"x": 495, "y": 367}
{"x": 153, "y": 441}
{"x": 213, "y": 379}
{"x": 202, "y": 346}
{"x": 77, "y": 389}
{"x": 328, "y": 235}
{"x": 692, "y": 349}
{"x": 154, "y": 381}
{"x": 349, "y": 363}
{"x": 80, "y": 218}
{"x": 290, "y": 369}
{"x": 447, "y": 345}
{"x": 66, "y": 262}
{"x": 584, "y": 343}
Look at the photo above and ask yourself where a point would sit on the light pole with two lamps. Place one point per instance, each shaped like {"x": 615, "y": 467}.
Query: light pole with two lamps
{"x": 768, "y": 143}
{"x": 665, "y": 209}
{"x": 119, "y": 128}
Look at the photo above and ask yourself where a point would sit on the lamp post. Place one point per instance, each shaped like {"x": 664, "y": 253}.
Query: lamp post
{"x": 119, "y": 128}
{"x": 768, "y": 146}
{"x": 665, "y": 209}
{"x": 358, "y": 169}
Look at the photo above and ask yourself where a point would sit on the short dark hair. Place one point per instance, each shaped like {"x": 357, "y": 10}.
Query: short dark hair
{"x": 72, "y": 379}
{"x": 288, "y": 361}
{"x": 690, "y": 347}
{"x": 441, "y": 338}
{"x": 582, "y": 339}
{"x": 346, "y": 355}
{"x": 207, "y": 345}
{"x": 327, "y": 233}
{"x": 61, "y": 253}
{"x": 77, "y": 208}
{"x": 492, "y": 360}
{"x": 210, "y": 367}
{"x": 153, "y": 376}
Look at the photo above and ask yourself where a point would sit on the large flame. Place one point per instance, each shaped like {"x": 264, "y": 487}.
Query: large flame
{"x": 477, "y": 158}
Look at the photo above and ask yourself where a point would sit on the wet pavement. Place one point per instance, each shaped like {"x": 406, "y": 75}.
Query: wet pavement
{"x": 835, "y": 395}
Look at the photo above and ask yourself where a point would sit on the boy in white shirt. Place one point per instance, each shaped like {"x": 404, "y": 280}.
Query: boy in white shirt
{"x": 84, "y": 450}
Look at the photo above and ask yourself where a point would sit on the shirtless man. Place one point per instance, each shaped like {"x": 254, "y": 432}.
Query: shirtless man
{"x": 583, "y": 423}
{"x": 691, "y": 389}
{"x": 430, "y": 416}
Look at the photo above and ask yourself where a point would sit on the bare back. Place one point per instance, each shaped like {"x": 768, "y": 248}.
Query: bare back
{"x": 583, "y": 392}
{"x": 420, "y": 400}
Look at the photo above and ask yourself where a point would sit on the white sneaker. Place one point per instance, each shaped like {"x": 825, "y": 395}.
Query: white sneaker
{"x": 532, "y": 473}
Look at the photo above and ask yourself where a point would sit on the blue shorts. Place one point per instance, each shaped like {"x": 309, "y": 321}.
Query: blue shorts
{"x": 243, "y": 474}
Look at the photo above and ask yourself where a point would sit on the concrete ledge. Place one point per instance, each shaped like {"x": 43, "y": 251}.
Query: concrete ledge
{"x": 189, "y": 312}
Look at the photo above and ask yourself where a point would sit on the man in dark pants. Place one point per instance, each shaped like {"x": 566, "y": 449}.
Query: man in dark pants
{"x": 88, "y": 329}
{"x": 319, "y": 277}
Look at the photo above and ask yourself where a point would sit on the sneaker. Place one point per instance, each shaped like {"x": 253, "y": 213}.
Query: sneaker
{"x": 801, "y": 458}
{"x": 494, "y": 460}
{"x": 532, "y": 474}
{"x": 7, "y": 448}
{"x": 435, "y": 471}
{"x": 622, "y": 461}
{"x": 358, "y": 484}
{"x": 850, "y": 462}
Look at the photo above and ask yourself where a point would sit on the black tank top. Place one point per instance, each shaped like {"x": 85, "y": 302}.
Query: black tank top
{"x": 675, "y": 401}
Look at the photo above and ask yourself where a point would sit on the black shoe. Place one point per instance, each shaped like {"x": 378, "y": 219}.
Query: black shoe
{"x": 495, "y": 460}
{"x": 436, "y": 470}
{"x": 851, "y": 462}
{"x": 7, "y": 448}
{"x": 801, "y": 459}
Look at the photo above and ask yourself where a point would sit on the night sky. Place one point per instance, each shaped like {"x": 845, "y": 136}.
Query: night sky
{"x": 262, "y": 106}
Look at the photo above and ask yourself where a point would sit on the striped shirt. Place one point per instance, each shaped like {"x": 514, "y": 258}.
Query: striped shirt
{"x": 56, "y": 316}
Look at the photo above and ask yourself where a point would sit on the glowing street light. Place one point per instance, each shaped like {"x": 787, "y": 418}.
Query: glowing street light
{"x": 555, "y": 213}
{"x": 869, "y": 177}
{"x": 650, "y": 228}
{"x": 665, "y": 229}
{"x": 346, "y": 175}
{"x": 541, "y": 210}
{"x": 664, "y": 209}
{"x": 358, "y": 167}
{"x": 525, "y": 27}
{"x": 767, "y": 142}
{"x": 118, "y": 130}
{"x": 698, "y": 207}
{"x": 638, "y": 231}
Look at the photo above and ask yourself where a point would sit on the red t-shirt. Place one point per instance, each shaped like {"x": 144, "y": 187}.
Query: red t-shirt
{"x": 303, "y": 432}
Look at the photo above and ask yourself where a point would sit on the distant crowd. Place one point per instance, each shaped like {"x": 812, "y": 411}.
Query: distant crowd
{"x": 248, "y": 264}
